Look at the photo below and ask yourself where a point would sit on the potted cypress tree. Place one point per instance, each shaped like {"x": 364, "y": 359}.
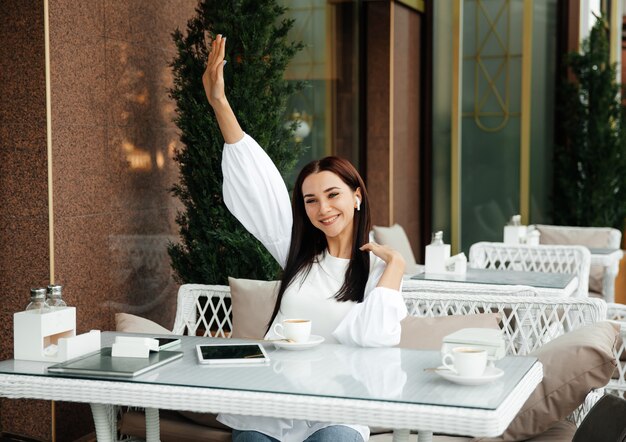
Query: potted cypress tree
{"x": 590, "y": 162}
{"x": 214, "y": 245}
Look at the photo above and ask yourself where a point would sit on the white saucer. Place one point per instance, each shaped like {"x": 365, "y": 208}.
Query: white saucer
{"x": 312, "y": 342}
{"x": 491, "y": 374}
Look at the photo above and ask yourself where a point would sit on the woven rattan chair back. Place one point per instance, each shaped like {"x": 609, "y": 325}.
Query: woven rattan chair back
{"x": 543, "y": 258}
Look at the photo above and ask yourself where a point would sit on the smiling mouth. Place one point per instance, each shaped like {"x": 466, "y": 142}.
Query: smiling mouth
{"x": 329, "y": 220}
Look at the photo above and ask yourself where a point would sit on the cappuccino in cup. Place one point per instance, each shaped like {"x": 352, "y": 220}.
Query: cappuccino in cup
{"x": 466, "y": 361}
{"x": 297, "y": 330}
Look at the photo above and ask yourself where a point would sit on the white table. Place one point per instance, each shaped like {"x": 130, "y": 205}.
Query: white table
{"x": 385, "y": 387}
{"x": 609, "y": 259}
{"x": 545, "y": 284}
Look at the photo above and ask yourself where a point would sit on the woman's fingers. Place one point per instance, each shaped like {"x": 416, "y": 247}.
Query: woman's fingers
{"x": 383, "y": 252}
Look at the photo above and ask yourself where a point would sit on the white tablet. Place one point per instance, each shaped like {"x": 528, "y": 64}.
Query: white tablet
{"x": 165, "y": 343}
{"x": 232, "y": 354}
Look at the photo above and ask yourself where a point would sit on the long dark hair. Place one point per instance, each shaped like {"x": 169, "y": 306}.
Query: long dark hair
{"x": 307, "y": 241}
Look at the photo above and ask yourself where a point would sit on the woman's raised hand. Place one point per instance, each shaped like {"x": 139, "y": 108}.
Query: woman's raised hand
{"x": 213, "y": 77}
{"x": 213, "y": 81}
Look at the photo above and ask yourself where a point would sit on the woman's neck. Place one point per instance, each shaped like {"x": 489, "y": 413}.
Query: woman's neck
{"x": 340, "y": 246}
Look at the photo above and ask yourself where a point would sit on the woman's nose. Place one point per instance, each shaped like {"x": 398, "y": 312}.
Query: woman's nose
{"x": 324, "y": 206}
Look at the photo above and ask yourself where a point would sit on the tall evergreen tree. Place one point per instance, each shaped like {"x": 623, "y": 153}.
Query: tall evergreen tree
{"x": 214, "y": 245}
{"x": 590, "y": 163}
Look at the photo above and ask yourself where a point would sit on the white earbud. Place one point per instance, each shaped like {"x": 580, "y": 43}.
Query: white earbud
{"x": 358, "y": 203}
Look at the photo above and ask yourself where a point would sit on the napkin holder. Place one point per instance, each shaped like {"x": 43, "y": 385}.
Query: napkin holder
{"x": 457, "y": 264}
{"x": 50, "y": 336}
{"x": 489, "y": 339}
{"x": 133, "y": 347}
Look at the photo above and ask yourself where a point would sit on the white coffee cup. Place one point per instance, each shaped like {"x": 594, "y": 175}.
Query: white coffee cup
{"x": 466, "y": 361}
{"x": 297, "y": 330}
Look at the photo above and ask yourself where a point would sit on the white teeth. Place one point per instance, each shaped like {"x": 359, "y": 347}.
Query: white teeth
{"x": 328, "y": 221}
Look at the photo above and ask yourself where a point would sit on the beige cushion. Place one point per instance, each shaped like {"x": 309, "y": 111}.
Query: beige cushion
{"x": 174, "y": 428}
{"x": 562, "y": 431}
{"x": 428, "y": 333}
{"x": 573, "y": 364}
{"x": 125, "y": 322}
{"x": 253, "y": 303}
{"x": 596, "y": 237}
{"x": 395, "y": 237}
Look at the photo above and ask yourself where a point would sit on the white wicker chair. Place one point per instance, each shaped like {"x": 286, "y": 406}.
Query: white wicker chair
{"x": 602, "y": 277}
{"x": 205, "y": 310}
{"x": 543, "y": 258}
{"x": 617, "y": 385}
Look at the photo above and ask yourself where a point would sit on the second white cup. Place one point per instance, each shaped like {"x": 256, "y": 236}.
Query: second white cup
{"x": 466, "y": 361}
{"x": 297, "y": 330}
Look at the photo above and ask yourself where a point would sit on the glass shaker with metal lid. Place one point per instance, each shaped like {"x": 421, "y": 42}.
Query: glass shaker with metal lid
{"x": 38, "y": 300}
{"x": 55, "y": 296}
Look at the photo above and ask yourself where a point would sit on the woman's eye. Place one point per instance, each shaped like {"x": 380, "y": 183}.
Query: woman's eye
{"x": 309, "y": 201}
{"x": 332, "y": 195}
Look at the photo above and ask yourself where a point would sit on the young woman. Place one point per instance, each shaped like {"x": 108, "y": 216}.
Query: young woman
{"x": 347, "y": 286}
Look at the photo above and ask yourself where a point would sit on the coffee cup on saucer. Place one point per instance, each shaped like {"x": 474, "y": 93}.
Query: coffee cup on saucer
{"x": 466, "y": 361}
{"x": 296, "y": 330}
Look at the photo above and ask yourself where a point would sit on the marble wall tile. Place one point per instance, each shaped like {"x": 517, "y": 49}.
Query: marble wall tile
{"x": 80, "y": 171}
{"x": 77, "y": 84}
{"x": 142, "y": 167}
{"x": 145, "y": 22}
{"x": 27, "y": 417}
{"x": 76, "y": 23}
{"x": 137, "y": 83}
{"x": 22, "y": 64}
{"x": 23, "y": 173}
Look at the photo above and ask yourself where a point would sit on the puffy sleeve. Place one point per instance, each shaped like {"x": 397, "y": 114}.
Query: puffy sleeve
{"x": 256, "y": 195}
{"x": 375, "y": 322}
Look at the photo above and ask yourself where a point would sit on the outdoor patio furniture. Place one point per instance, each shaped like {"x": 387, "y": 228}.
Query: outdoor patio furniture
{"x": 617, "y": 385}
{"x": 206, "y": 310}
{"x": 542, "y": 258}
{"x": 603, "y": 243}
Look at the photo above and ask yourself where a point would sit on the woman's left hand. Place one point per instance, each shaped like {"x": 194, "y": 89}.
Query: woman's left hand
{"x": 392, "y": 276}
{"x": 385, "y": 253}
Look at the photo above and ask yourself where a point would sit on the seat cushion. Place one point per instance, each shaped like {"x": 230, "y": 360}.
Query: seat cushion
{"x": 596, "y": 237}
{"x": 573, "y": 364}
{"x": 125, "y": 322}
{"x": 174, "y": 428}
{"x": 395, "y": 237}
{"x": 428, "y": 333}
{"x": 253, "y": 303}
{"x": 562, "y": 431}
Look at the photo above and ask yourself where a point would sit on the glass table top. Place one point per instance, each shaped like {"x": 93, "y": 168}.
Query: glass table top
{"x": 330, "y": 370}
{"x": 502, "y": 277}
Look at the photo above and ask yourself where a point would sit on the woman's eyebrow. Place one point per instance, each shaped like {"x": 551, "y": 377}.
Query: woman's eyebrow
{"x": 325, "y": 191}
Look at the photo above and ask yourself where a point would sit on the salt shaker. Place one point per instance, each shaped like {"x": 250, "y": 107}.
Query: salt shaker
{"x": 38, "y": 300}
{"x": 55, "y": 296}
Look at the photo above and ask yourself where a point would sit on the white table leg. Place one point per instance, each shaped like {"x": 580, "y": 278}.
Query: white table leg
{"x": 425, "y": 436}
{"x": 105, "y": 420}
{"x": 153, "y": 429}
{"x": 401, "y": 435}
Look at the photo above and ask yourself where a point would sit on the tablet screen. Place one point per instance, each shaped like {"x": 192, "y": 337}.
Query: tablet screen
{"x": 231, "y": 353}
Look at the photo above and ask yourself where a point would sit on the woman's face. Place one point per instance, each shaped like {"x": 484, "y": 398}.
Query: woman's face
{"x": 329, "y": 203}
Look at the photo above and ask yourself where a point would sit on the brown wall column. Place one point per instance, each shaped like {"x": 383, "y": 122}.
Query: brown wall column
{"x": 24, "y": 246}
{"x": 394, "y": 107}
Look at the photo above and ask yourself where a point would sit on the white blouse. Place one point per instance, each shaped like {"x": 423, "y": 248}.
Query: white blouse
{"x": 255, "y": 193}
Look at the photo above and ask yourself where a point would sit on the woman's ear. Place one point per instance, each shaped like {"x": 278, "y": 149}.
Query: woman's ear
{"x": 357, "y": 199}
